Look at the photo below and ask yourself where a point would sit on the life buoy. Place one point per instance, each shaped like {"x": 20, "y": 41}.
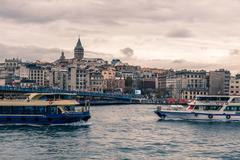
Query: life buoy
{"x": 228, "y": 116}
{"x": 226, "y": 103}
{"x": 210, "y": 116}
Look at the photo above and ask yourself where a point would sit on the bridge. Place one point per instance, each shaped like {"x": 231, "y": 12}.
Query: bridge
{"x": 96, "y": 97}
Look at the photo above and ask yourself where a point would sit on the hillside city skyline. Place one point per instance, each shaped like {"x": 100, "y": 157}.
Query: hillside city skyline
{"x": 80, "y": 73}
{"x": 126, "y": 51}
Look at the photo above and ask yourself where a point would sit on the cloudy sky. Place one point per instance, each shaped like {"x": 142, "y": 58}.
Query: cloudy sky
{"x": 155, "y": 33}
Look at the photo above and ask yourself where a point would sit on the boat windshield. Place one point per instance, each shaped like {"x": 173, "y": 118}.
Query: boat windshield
{"x": 236, "y": 100}
{"x": 69, "y": 108}
{"x": 225, "y": 99}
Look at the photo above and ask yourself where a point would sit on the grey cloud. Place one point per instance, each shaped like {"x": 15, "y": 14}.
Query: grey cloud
{"x": 111, "y": 12}
{"x": 98, "y": 53}
{"x": 127, "y": 52}
{"x": 94, "y": 54}
{"x": 178, "y": 61}
{"x": 26, "y": 11}
{"x": 180, "y": 33}
{"x": 29, "y": 52}
{"x": 234, "y": 52}
{"x": 167, "y": 63}
{"x": 47, "y": 23}
{"x": 33, "y": 53}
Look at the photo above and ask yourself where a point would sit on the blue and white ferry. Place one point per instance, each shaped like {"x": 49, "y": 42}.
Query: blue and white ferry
{"x": 43, "y": 109}
{"x": 205, "y": 108}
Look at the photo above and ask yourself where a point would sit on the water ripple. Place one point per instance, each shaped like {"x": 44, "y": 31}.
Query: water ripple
{"x": 122, "y": 132}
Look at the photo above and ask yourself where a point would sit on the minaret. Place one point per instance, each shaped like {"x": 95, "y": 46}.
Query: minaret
{"x": 62, "y": 56}
{"x": 78, "y": 50}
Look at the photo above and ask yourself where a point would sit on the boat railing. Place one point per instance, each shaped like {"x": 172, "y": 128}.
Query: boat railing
{"x": 83, "y": 109}
{"x": 170, "y": 108}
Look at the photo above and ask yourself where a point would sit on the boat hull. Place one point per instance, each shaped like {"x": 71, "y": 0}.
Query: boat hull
{"x": 187, "y": 115}
{"x": 45, "y": 119}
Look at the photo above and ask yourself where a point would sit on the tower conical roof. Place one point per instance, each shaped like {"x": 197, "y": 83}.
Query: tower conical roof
{"x": 79, "y": 44}
{"x": 78, "y": 50}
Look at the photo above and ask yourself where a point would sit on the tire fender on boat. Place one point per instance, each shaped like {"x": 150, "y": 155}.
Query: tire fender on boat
{"x": 228, "y": 116}
{"x": 210, "y": 116}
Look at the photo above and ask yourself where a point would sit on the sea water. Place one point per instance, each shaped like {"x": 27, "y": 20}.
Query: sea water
{"x": 122, "y": 132}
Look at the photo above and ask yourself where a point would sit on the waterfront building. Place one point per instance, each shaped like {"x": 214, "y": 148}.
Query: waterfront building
{"x": 109, "y": 73}
{"x": 96, "y": 62}
{"x": 237, "y": 76}
{"x": 109, "y": 78}
{"x": 10, "y": 67}
{"x": 147, "y": 84}
{"x": 114, "y": 85}
{"x": 234, "y": 88}
{"x": 116, "y": 62}
{"x": 96, "y": 80}
{"x": 125, "y": 70}
{"x": 12, "y": 64}
{"x": 59, "y": 78}
{"x": 78, "y": 77}
{"x": 22, "y": 71}
{"x": 166, "y": 83}
{"x": 2, "y": 74}
{"x": 39, "y": 73}
{"x": 170, "y": 83}
{"x": 219, "y": 82}
{"x": 189, "y": 83}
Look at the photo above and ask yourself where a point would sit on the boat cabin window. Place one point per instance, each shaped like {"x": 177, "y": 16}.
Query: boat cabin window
{"x": 5, "y": 110}
{"x": 236, "y": 100}
{"x": 196, "y": 107}
{"x": 56, "y": 97}
{"x": 225, "y": 99}
{"x": 232, "y": 108}
{"x": 208, "y": 108}
{"x": 69, "y": 108}
{"x": 28, "y": 110}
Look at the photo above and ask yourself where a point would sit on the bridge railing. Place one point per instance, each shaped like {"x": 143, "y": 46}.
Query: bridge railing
{"x": 52, "y": 90}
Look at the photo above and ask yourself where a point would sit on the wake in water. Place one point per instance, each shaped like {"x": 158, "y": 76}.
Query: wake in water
{"x": 200, "y": 121}
{"x": 69, "y": 126}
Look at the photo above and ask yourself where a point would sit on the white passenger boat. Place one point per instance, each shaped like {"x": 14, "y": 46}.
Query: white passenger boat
{"x": 205, "y": 108}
